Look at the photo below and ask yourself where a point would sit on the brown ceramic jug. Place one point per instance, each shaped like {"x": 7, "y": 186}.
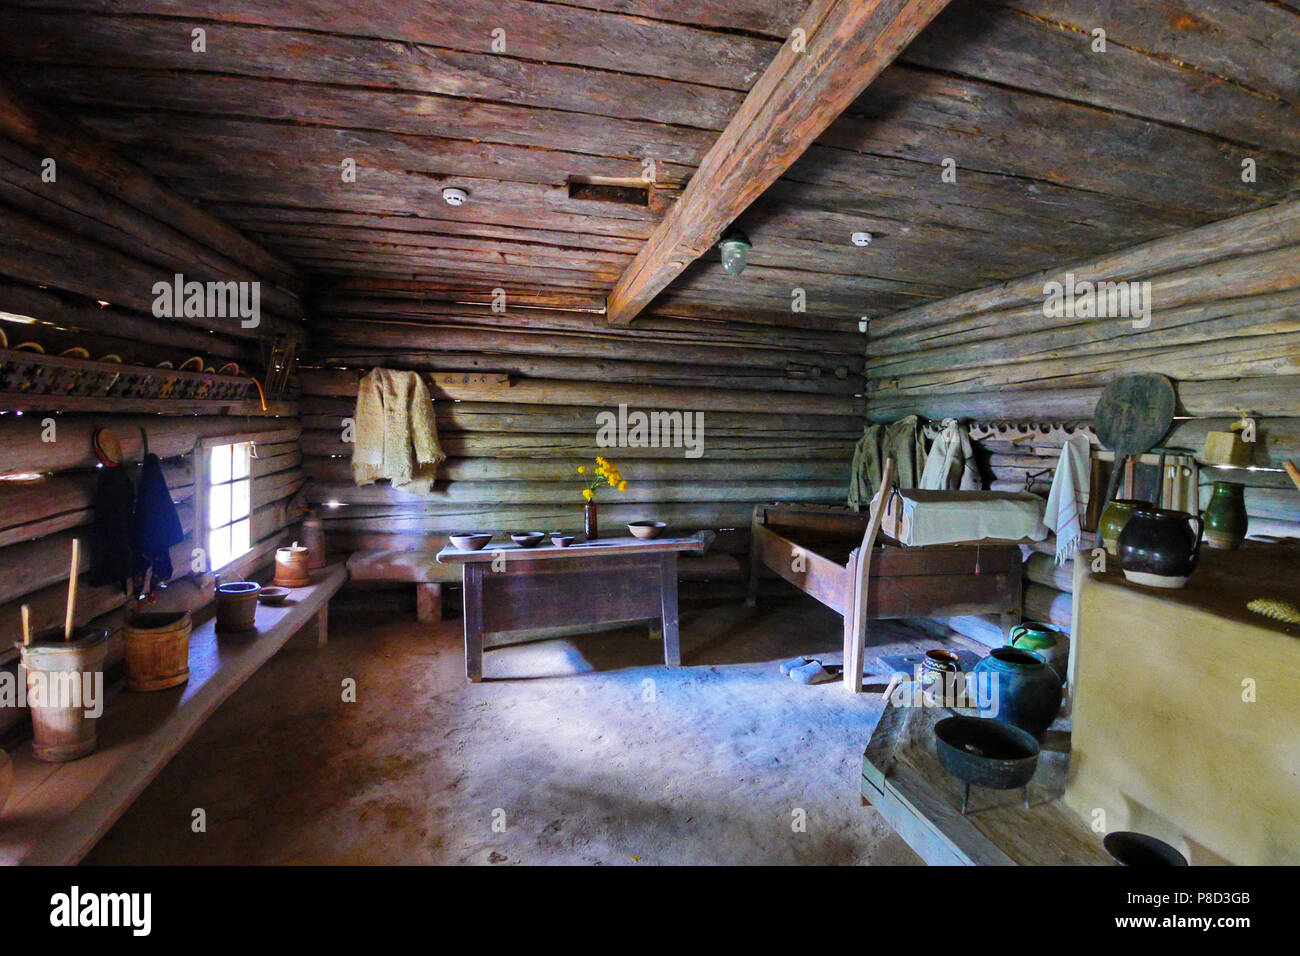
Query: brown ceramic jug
{"x": 1160, "y": 548}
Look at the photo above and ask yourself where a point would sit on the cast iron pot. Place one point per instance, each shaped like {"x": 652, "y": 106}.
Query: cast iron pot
{"x": 1137, "y": 849}
{"x": 1028, "y": 690}
{"x": 1160, "y": 548}
{"x": 986, "y": 753}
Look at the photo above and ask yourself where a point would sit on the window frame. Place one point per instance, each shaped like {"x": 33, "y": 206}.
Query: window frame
{"x": 203, "y": 496}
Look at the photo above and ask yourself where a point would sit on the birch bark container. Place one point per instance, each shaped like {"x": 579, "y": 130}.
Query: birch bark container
{"x": 157, "y": 648}
{"x": 62, "y": 676}
{"x": 292, "y": 569}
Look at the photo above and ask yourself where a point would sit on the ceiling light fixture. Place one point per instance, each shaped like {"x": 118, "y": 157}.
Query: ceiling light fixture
{"x": 735, "y": 252}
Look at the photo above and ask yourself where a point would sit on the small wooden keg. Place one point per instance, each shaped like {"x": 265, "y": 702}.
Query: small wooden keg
{"x": 157, "y": 649}
{"x": 292, "y": 566}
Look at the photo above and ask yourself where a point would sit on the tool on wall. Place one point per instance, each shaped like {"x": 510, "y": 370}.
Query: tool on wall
{"x": 1134, "y": 413}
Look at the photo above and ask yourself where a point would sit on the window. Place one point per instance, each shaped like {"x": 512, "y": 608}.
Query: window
{"x": 229, "y": 495}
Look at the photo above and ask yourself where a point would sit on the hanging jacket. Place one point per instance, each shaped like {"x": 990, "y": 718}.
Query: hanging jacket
{"x": 157, "y": 526}
{"x": 396, "y": 435}
{"x": 951, "y": 465}
{"x": 902, "y": 441}
{"x": 111, "y": 558}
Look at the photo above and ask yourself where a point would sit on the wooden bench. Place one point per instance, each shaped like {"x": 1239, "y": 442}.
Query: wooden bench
{"x": 418, "y": 567}
{"x": 422, "y": 569}
{"x": 57, "y": 812}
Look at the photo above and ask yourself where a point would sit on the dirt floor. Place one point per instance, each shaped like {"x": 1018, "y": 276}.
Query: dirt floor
{"x": 580, "y": 750}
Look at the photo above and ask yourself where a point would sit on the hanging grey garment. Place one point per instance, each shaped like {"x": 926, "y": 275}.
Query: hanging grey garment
{"x": 951, "y": 466}
{"x": 902, "y": 441}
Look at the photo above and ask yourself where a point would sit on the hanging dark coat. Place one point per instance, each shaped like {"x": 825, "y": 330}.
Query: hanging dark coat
{"x": 157, "y": 526}
{"x": 111, "y": 557}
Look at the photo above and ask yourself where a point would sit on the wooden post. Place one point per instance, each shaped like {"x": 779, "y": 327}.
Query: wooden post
{"x": 473, "y": 597}
{"x": 862, "y": 589}
{"x": 668, "y": 600}
{"x": 428, "y": 603}
{"x": 755, "y": 558}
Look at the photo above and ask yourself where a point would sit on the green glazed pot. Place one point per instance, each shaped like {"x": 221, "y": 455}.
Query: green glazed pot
{"x": 1113, "y": 519}
{"x": 1226, "y": 520}
{"x": 1043, "y": 641}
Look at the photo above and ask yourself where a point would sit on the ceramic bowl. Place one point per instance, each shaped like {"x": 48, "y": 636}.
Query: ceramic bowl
{"x": 272, "y": 595}
{"x": 527, "y": 539}
{"x": 471, "y": 540}
{"x": 561, "y": 540}
{"x": 646, "y": 529}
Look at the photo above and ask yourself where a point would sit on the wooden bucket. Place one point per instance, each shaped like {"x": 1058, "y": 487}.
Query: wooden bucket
{"x": 313, "y": 539}
{"x": 292, "y": 567}
{"x": 237, "y": 605}
{"x": 61, "y": 728}
{"x": 157, "y": 646}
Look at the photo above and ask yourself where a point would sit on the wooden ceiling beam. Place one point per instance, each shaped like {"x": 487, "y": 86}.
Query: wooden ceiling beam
{"x": 839, "y": 47}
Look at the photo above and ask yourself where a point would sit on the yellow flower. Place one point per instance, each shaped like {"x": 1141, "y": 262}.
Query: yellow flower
{"x": 582, "y": 469}
{"x": 588, "y": 493}
{"x": 622, "y": 486}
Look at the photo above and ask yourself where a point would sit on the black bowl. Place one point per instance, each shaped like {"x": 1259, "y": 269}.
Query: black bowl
{"x": 1137, "y": 849}
{"x": 986, "y": 752}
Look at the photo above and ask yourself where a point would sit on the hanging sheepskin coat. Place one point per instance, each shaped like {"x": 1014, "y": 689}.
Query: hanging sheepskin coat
{"x": 396, "y": 435}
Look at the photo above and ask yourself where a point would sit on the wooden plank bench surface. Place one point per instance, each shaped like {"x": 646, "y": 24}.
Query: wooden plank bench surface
{"x": 57, "y": 812}
{"x": 903, "y": 779}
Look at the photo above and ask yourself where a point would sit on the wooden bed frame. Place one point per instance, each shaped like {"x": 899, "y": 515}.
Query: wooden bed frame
{"x": 819, "y": 550}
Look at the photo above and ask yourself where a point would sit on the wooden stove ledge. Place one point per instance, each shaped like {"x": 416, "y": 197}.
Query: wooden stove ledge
{"x": 57, "y": 812}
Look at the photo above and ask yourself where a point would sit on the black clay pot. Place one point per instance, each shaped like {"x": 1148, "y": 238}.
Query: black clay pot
{"x": 1160, "y": 548}
{"x": 1027, "y": 690}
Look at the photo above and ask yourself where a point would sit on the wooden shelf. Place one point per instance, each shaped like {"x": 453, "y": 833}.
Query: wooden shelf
{"x": 57, "y": 812}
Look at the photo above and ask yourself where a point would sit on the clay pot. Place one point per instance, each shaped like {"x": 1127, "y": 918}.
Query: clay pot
{"x": 1160, "y": 548}
{"x": 939, "y": 669}
{"x": 62, "y": 730}
{"x": 237, "y": 605}
{"x": 1042, "y": 640}
{"x": 1137, "y": 849}
{"x": 1027, "y": 691}
{"x": 157, "y": 649}
{"x": 1113, "y": 519}
{"x": 1226, "y": 521}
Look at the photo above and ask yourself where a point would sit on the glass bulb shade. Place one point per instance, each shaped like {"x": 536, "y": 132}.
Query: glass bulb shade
{"x": 735, "y": 256}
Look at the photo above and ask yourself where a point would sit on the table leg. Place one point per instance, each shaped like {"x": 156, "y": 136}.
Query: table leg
{"x": 473, "y": 598}
{"x": 668, "y": 601}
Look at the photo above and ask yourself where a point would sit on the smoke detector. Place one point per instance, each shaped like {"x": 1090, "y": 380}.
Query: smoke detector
{"x": 454, "y": 197}
{"x": 861, "y": 238}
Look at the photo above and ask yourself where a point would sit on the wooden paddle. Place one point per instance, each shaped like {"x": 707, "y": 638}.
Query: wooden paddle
{"x": 1133, "y": 415}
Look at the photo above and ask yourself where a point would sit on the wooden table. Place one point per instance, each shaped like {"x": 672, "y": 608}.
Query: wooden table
{"x": 607, "y": 581}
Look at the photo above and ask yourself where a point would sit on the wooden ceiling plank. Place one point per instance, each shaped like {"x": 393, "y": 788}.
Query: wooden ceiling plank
{"x": 844, "y": 46}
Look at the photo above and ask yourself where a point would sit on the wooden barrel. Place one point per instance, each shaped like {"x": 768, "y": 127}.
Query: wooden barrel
{"x": 292, "y": 567}
{"x": 157, "y": 648}
{"x": 237, "y": 605}
{"x": 63, "y": 727}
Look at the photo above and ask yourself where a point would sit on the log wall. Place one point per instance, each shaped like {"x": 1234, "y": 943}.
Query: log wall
{"x": 1225, "y": 327}
{"x": 517, "y": 396}
{"x": 80, "y": 251}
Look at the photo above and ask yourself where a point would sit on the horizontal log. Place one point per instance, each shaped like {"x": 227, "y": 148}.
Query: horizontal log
{"x": 583, "y": 446}
{"x": 322, "y": 413}
{"x": 1269, "y": 395}
{"x": 633, "y": 469}
{"x": 1251, "y": 356}
{"x": 23, "y": 449}
{"x": 422, "y": 336}
{"x": 553, "y": 492}
{"x": 1252, "y": 232}
{"x": 1049, "y": 605}
{"x": 1043, "y": 569}
{"x": 546, "y": 392}
{"x": 500, "y": 518}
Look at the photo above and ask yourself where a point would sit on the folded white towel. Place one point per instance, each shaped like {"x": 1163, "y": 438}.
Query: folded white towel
{"x": 1067, "y": 502}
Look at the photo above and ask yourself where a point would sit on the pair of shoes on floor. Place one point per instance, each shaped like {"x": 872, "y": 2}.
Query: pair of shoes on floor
{"x": 809, "y": 670}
